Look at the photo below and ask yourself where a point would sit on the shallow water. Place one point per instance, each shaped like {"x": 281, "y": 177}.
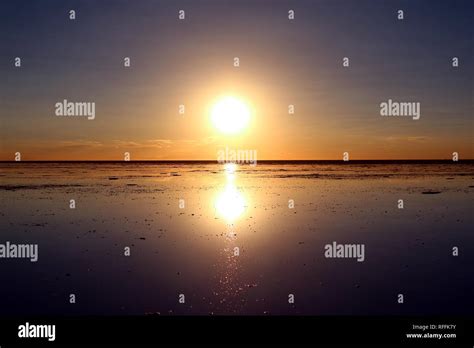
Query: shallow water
{"x": 190, "y": 250}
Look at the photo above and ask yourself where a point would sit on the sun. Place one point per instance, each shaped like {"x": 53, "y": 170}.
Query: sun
{"x": 230, "y": 115}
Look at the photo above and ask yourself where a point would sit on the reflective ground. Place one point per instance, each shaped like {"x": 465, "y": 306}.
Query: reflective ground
{"x": 228, "y": 238}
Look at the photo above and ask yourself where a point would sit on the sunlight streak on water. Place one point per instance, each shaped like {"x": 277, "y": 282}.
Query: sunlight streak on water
{"x": 230, "y": 203}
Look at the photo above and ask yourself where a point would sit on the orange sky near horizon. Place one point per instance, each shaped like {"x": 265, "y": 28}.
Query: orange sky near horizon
{"x": 191, "y": 63}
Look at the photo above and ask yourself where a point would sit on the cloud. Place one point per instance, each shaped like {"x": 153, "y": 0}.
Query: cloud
{"x": 412, "y": 139}
{"x": 112, "y": 149}
{"x": 76, "y": 144}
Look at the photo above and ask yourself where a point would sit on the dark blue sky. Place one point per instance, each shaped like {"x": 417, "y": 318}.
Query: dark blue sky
{"x": 282, "y": 62}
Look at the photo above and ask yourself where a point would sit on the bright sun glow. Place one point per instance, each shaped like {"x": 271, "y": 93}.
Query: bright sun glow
{"x": 230, "y": 203}
{"x": 230, "y": 115}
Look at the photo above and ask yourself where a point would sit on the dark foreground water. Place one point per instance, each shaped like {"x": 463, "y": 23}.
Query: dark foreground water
{"x": 279, "y": 216}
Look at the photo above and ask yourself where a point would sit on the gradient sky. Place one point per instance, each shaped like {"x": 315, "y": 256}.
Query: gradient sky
{"x": 191, "y": 62}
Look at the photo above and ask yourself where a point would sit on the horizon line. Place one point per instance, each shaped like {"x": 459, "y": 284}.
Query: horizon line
{"x": 244, "y": 162}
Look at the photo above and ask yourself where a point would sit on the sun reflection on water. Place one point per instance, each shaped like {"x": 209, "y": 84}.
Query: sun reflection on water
{"x": 230, "y": 203}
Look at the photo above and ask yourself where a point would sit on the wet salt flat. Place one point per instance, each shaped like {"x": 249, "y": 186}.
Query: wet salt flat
{"x": 191, "y": 250}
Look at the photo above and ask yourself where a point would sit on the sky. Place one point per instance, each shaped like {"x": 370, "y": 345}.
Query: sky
{"x": 191, "y": 62}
